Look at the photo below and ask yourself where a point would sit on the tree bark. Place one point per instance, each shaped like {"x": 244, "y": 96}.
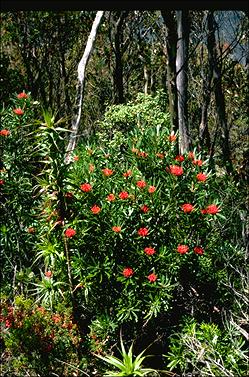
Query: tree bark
{"x": 218, "y": 91}
{"x": 171, "y": 41}
{"x": 80, "y": 85}
{"x": 183, "y": 29}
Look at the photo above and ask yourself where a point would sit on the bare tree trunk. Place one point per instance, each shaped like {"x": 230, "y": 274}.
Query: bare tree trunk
{"x": 118, "y": 69}
{"x": 81, "y": 83}
{"x": 146, "y": 79}
{"x": 182, "y": 17}
{"x": 171, "y": 41}
{"x": 218, "y": 92}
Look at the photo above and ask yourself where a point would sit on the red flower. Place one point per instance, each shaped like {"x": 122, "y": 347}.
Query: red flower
{"x": 8, "y": 324}
{"x": 160, "y": 155}
{"x": 76, "y": 158}
{"x": 91, "y": 168}
{"x": 95, "y": 209}
{"x": 176, "y": 170}
{"x": 172, "y": 137}
{"x": 191, "y": 155}
{"x": 179, "y": 158}
{"x": 4, "y": 132}
{"x": 197, "y": 162}
{"x": 124, "y": 195}
{"x": 141, "y": 184}
{"x": 48, "y": 274}
{"x": 142, "y": 154}
{"x": 143, "y": 232}
{"x": 149, "y": 250}
{"x": 22, "y": 95}
{"x": 18, "y": 111}
{"x": 187, "y": 207}
{"x": 110, "y": 197}
{"x": 198, "y": 250}
{"x": 152, "y": 277}
{"x": 107, "y": 172}
{"x": 128, "y": 272}
{"x": 69, "y": 195}
{"x": 212, "y": 209}
{"x": 151, "y": 189}
{"x": 144, "y": 208}
{"x": 182, "y": 249}
{"x": 116, "y": 229}
{"x": 86, "y": 187}
{"x": 2, "y": 182}
{"x": 70, "y": 232}
{"x": 128, "y": 173}
{"x": 201, "y": 177}
{"x": 203, "y": 211}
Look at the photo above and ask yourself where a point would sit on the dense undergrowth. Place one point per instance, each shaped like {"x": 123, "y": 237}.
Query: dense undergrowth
{"x": 128, "y": 237}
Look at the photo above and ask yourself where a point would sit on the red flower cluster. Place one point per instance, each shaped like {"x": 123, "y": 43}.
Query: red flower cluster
{"x": 70, "y": 232}
{"x": 116, "y": 229}
{"x": 179, "y": 158}
{"x": 95, "y": 209}
{"x": 141, "y": 184}
{"x": 4, "y": 132}
{"x": 182, "y": 249}
{"x": 86, "y": 187}
{"x": 160, "y": 155}
{"x": 143, "y": 232}
{"x": 76, "y": 158}
{"x": 91, "y": 168}
{"x": 149, "y": 250}
{"x": 176, "y": 170}
{"x": 110, "y": 197}
{"x": 18, "y": 111}
{"x": 142, "y": 154}
{"x": 107, "y": 172}
{"x": 191, "y": 155}
{"x": 128, "y": 173}
{"x": 152, "y": 278}
{"x": 212, "y": 209}
{"x": 197, "y": 162}
{"x": 22, "y": 95}
{"x": 172, "y": 137}
{"x": 144, "y": 208}
{"x": 48, "y": 274}
{"x": 2, "y": 182}
{"x": 198, "y": 250}
{"x": 187, "y": 207}
{"x": 201, "y": 177}
{"x": 151, "y": 189}
{"x": 124, "y": 195}
{"x": 128, "y": 272}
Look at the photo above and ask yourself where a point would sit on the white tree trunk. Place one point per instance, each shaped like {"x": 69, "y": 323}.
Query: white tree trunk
{"x": 80, "y": 85}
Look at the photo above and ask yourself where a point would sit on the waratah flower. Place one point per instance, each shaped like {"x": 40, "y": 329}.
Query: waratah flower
{"x": 179, "y": 158}
{"x": 18, "y": 111}
{"x": 187, "y": 207}
{"x": 176, "y": 170}
{"x": 212, "y": 209}
{"x": 86, "y": 187}
{"x": 182, "y": 249}
{"x": 204, "y": 211}
{"x": 128, "y": 272}
{"x": 107, "y": 172}
{"x": 149, "y": 250}
{"x": 198, "y": 250}
{"x": 70, "y": 232}
{"x": 142, "y": 154}
{"x": 48, "y": 274}
{"x": 143, "y": 232}
{"x": 141, "y": 184}
{"x": 197, "y": 162}
{"x": 152, "y": 277}
{"x": 201, "y": 177}
{"x": 95, "y": 209}
{"x": 76, "y": 158}
{"x": 110, "y": 197}
{"x": 4, "y": 132}
{"x": 91, "y": 168}
{"x": 116, "y": 229}
{"x": 160, "y": 155}
{"x": 172, "y": 137}
{"x": 128, "y": 173}
{"x": 22, "y": 95}
{"x": 191, "y": 155}
{"x": 151, "y": 189}
{"x": 2, "y": 182}
{"x": 124, "y": 195}
{"x": 144, "y": 208}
